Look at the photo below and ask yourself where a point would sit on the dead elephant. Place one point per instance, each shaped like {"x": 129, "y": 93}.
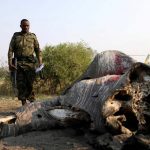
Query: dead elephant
{"x": 108, "y": 103}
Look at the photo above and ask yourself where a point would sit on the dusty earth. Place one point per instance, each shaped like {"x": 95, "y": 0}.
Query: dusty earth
{"x": 58, "y": 139}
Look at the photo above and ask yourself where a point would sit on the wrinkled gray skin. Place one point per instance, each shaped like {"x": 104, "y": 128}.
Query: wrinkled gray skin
{"x": 91, "y": 96}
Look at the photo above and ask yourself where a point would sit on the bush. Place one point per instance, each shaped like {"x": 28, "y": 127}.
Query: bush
{"x": 64, "y": 63}
{"x": 5, "y": 83}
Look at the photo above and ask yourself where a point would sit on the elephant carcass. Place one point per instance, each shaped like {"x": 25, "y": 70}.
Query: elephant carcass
{"x": 111, "y": 100}
{"x": 113, "y": 103}
{"x": 92, "y": 94}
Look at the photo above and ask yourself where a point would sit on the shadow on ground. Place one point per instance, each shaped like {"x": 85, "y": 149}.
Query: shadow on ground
{"x": 59, "y": 139}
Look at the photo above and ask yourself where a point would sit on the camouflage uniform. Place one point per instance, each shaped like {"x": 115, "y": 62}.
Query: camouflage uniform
{"x": 23, "y": 47}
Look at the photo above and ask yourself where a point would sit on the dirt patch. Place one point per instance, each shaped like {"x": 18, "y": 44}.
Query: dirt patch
{"x": 8, "y": 104}
{"x": 58, "y": 139}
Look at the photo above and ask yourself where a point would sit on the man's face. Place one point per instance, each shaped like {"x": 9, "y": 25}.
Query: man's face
{"x": 25, "y": 25}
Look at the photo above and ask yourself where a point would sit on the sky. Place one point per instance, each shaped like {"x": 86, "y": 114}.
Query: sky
{"x": 102, "y": 24}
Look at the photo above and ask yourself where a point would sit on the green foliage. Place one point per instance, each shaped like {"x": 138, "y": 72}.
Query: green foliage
{"x": 5, "y": 84}
{"x": 3, "y": 72}
{"x": 64, "y": 63}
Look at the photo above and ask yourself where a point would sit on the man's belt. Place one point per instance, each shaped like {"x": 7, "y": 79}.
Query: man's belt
{"x": 26, "y": 58}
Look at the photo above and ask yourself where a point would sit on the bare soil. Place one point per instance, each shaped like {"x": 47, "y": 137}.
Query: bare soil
{"x": 58, "y": 139}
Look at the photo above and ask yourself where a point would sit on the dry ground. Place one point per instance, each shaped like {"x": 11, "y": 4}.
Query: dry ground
{"x": 58, "y": 139}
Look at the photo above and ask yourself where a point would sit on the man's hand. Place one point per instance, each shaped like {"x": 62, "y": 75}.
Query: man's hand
{"x": 12, "y": 67}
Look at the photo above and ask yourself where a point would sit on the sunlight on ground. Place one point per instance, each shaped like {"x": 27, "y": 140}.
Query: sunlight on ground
{"x": 10, "y": 104}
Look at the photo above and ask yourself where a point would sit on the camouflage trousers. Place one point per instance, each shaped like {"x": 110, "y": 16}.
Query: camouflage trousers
{"x": 25, "y": 80}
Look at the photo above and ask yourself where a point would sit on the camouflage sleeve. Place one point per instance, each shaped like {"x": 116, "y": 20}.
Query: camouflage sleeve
{"x": 37, "y": 50}
{"x": 11, "y": 50}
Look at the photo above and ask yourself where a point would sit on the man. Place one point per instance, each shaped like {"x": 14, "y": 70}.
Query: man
{"x": 23, "y": 46}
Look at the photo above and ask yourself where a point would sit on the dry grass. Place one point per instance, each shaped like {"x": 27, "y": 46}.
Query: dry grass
{"x": 10, "y": 104}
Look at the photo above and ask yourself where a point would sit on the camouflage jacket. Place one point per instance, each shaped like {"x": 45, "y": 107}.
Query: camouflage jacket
{"x": 23, "y": 46}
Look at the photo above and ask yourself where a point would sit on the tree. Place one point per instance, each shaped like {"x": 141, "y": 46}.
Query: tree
{"x": 3, "y": 72}
{"x": 64, "y": 63}
{"x": 5, "y": 82}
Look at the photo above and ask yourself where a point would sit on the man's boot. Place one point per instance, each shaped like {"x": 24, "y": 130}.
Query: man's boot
{"x": 31, "y": 98}
{"x": 23, "y": 102}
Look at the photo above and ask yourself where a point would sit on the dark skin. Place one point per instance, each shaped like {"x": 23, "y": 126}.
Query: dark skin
{"x": 25, "y": 25}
